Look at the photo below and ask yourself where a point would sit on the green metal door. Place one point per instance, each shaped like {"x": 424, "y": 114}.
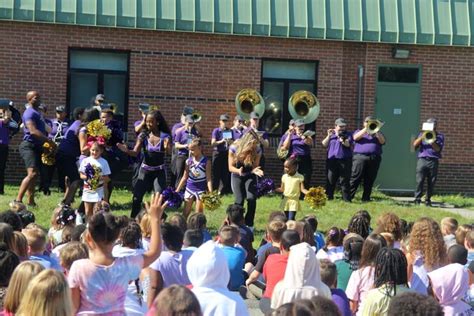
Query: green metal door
{"x": 398, "y": 104}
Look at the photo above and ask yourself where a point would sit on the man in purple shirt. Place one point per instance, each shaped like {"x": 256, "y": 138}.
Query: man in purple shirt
{"x": 183, "y": 138}
{"x": 338, "y": 164}
{"x": 427, "y": 164}
{"x": 31, "y": 147}
{"x": 5, "y": 119}
{"x": 366, "y": 160}
{"x": 221, "y": 138}
{"x": 238, "y": 128}
{"x": 174, "y": 152}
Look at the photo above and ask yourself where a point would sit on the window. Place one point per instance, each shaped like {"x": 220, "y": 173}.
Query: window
{"x": 280, "y": 79}
{"x": 398, "y": 74}
{"x": 92, "y": 72}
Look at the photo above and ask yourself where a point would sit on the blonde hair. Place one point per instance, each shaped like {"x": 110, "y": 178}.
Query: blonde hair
{"x": 296, "y": 226}
{"x": 73, "y": 251}
{"x": 246, "y": 148}
{"x": 449, "y": 224}
{"x": 19, "y": 282}
{"x": 47, "y": 295}
{"x": 427, "y": 239}
{"x": 20, "y": 245}
{"x": 389, "y": 238}
{"x": 389, "y": 223}
{"x": 36, "y": 238}
{"x": 461, "y": 233}
{"x": 145, "y": 226}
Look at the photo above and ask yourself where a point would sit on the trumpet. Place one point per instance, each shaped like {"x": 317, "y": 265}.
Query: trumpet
{"x": 373, "y": 126}
{"x": 428, "y": 137}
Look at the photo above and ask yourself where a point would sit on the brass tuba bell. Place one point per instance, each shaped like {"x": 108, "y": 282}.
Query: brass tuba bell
{"x": 248, "y": 101}
{"x": 304, "y": 105}
{"x": 373, "y": 126}
{"x": 429, "y": 137}
{"x": 197, "y": 117}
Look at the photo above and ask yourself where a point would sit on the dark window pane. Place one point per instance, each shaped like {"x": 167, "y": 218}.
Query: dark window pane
{"x": 272, "y": 118}
{"x": 83, "y": 88}
{"x": 398, "y": 74}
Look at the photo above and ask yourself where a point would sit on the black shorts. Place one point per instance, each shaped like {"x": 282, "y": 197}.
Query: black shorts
{"x": 31, "y": 154}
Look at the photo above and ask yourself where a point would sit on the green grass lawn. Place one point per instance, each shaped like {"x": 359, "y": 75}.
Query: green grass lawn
{"x": 334, "y": 213}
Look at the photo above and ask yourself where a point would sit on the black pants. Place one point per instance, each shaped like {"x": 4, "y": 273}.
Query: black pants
{"x": 3, "y": 163}
{"x": 117, "y": 161}
{"x": 364, "y": 167}
{"x": 67, "y": 167}
{"x": 338, "y": 168}
{"x": 46, "y": 176}
{"x": 174, "y": 154}
{"x": 220, "y": 171}
{"x": 262, "y": 161}
{"x": 146, "y": 181}
{"x": 180, "y": 166}
{"x": 305, "y": 168}
{"x": 245, "y": 188}
{"x": 426, "y": 168}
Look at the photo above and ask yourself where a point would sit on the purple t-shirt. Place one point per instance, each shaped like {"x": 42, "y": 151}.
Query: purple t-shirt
{"x": 218, "y": 134}
{"x": 4, "y": 133}
{"x": 172, "y": 267}
{"x": 136, "y": 124}
{"x": 175, "y": 128}
{"x": 70, "y": 144}
{"x": 367, "y": 145}
{"x": 336, "y": 150}
{"x": 342, "y": 302}
{"x": 237, "y": 133}
{"x": 58, "y": 130}
{"x": 34, "y": 116}
{"x": 184, "y": 137}
{"x": 297, "y": 145}
{"x": 427, "y": 151}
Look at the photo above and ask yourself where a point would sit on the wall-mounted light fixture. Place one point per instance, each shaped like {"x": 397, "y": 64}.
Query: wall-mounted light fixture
{"x": 400, "y": 53}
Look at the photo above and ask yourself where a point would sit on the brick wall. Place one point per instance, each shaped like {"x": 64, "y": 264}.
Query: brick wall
{"x": 174, "y": 69}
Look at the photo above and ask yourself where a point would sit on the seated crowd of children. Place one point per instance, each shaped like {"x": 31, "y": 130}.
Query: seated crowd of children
{"x": 154, "y": 265}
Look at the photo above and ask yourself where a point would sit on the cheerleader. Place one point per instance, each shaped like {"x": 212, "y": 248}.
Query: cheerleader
{"x": 197, "y": 176}
{"x": 154, "y": 143}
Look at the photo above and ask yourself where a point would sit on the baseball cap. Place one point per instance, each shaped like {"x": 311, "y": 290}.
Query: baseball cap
{"x": 369, "y": 118}
{"x": 298, "y": 122}
{"x": 291, "y": 122}
{"x": 100, "y": 97}
{"x": 61, "y": 108}
{"x": 144, "y": 107}
{"x": 224, "y": 117}
{"x": 431, "y": 120}
{"x": 238, "y": 118}
{"x": 254, "y": 115}
{"x": 187, "y": 110}
{"x": 340, "y": 122}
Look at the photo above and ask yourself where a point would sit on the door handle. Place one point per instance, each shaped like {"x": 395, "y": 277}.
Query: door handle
{"x": 412, "y": 139}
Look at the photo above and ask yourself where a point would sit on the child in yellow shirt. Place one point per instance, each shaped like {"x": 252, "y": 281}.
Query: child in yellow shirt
{"x": 291, "y": 186}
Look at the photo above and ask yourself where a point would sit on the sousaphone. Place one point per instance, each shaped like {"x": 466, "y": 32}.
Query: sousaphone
{"x": 248, "y": 101}
{"x": 304, "y": 105}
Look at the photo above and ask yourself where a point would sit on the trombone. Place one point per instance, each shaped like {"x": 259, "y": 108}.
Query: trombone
{"x": 428, "y": 137}
{"x": 374, "y": 126}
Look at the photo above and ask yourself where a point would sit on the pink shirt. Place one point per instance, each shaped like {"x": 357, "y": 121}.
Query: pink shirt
{"x": 360, "y": 282}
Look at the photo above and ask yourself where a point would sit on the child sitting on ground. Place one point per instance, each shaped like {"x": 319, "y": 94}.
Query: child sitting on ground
{"x": 199, "y": 221}
{"x": 448, "y": 227}
{"x": 73, "y": 251}
{"x": 329, "y": 277}
{"x": 235, "y": 255}
{"x": 36, "y": 238}
{"x": 333, "y": 250}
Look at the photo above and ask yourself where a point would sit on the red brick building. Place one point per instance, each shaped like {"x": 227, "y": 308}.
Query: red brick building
{"x": 352, "y": 79}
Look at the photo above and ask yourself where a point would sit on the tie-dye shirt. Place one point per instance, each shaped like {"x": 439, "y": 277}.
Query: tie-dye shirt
{"x": 104, "y": 288}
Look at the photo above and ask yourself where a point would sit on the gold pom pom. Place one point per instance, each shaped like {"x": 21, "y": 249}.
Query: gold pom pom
{"x": 211, "y": 200}
{"x": 316, "y": 197}
{"x": 98, "y": 129}
{"x": 48, "y": 156}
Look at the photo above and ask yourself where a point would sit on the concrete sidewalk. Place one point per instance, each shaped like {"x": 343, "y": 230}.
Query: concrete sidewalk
{"x": 466, "y": 213}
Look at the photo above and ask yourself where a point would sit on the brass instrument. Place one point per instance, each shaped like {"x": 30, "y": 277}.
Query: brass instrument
{"x": 197, "y": 117}
{"x": 248, "y": 101}
{"x": 304, "y": 105}
{"x": 429, "y": 137}
{"x": 374, "y": 126}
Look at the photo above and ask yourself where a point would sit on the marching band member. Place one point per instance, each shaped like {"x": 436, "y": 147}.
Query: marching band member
{"x": 338, "y": 164}
{"x": 5, "y": 119}
{"x": 183, "y": 138}
{"x": 154, "y": 142}
{"x": 366, "y": 160}
{"x": 429, "y": 155}
{"x": 221, "y": 138}
{"x": 238, "y": 128}
{"x": 31, "y": 147}
{"x": 174, "y": 153}
{"x": 299, "y": 146}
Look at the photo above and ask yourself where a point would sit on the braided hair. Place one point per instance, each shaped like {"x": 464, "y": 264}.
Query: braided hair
{"x": 360, "y": 225}
{"x": 390, "y": 270}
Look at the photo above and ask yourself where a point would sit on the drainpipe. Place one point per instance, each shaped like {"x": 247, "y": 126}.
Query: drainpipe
{"x": 360, "y": 80}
